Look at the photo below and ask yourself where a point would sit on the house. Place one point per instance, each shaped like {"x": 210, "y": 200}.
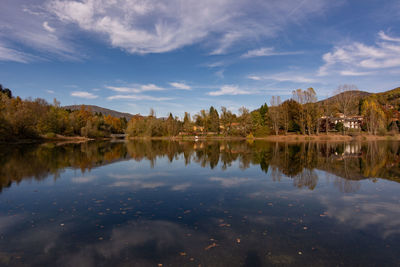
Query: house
{"x": 349, "y": 122}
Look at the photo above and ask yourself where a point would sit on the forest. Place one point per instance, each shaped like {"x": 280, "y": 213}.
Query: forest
{"x": 301, "y": 114}
{"x": 35, "y": 119}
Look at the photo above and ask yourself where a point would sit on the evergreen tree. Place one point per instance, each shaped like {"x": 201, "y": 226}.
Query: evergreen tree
{"x": 214, "y": 120}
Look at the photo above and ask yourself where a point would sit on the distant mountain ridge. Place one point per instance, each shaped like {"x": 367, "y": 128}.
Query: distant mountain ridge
{"x": 104, "y": 111}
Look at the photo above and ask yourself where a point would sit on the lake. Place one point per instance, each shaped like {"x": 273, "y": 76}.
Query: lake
{"x": 215, "y": 203}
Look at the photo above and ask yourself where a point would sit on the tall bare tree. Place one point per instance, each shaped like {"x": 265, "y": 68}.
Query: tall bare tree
{"x": 310, "y": 109}
{"x": 298, "y": 96}
{"x": 274, "y": 113}
{"x": 346, "y": 96}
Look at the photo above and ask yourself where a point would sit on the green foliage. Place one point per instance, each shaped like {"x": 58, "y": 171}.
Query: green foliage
{"x": 5, "y": 91}
{"x": 339, "y": 127}
{"x": 213, "y": 125}
{"x": 263, "y": 110}
{"x": 262, "y": 131}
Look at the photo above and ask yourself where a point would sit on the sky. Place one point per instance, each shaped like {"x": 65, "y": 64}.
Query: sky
{"x": 186, "y": 55}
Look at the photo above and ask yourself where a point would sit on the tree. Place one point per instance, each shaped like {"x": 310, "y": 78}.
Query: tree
{"x": 172, "y": 126}
{"x": 226, "y": 119}
{"x": 187, "y": 123}
{"x": 245, "y": 121}
{"x": 264, "y": 113}
{"x": 213, "y": 125}
{"x": 346, "y": 98}
{"x": 285, "y": 116}
{"x": 275, "y": 113}
{"x": 298, "y": 96}
{"x": 5, "y": 91}
{"x": 202, "y": 119}
{"x": 310, "y": 110}
{"x": 374, "y": 116}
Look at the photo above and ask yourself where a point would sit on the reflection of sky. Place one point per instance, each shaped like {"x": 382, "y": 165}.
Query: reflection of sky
{"x": 176, "y": 214}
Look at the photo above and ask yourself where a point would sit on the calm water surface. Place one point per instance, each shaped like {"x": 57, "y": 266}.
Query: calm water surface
{"x": 166, "y": 203}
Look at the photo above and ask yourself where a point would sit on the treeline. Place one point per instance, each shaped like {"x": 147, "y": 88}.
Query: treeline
{"x": 302, "y": 114}
{"x": 31, "y": 119}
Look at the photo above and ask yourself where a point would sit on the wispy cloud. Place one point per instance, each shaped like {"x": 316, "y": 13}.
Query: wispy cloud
{"x": 50, "y": 91}
{"x": 83, "y": 94}
{"x": 139, "y": 97}
{"x": 357, "y": 57}
{"x": 8, "y": 54}
{"x": 355, "y": 73}
{"x": 283, "y": 77}
{"x": 181, "y": 86}
{"x": 266, "y": 52}
{"x": 229, "y": 90}
{"x": 137, "y": 88}
{"x": 157, "y": 26}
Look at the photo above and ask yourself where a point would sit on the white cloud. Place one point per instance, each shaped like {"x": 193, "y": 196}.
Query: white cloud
{"x": 355, "y": 73}
{"x": 156, "y": 26}
{"x": 50, "y": 91}
{"x": 83, "y": 94}
{"x": 357, "y": 57}
{"x": 226, "y": 42}
{"x": 215, "y": 64}
{"x": 150, "y": 87}
{"x": 229, "y": 90}
{"x": 386, "y": 37}
{"x": 8, "y": 54}
{"x": 28, "y": 26}
{"x": 139, "y": 97}
{"x": 283, "y": 77}
{"x": 135, "y": 88}
{"x": 181, "y": 86}
{"x": 267, "y": 51}
{"x": 47, "y": 27}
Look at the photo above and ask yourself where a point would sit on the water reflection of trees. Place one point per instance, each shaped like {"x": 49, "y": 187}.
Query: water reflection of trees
{"x": 37, "y": 162}
{"x": 351, "y": 161}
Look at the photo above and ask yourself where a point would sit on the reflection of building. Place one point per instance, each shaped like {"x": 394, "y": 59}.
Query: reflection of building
{"x": 349, "y": 122}
{"x": 352, "y": 149}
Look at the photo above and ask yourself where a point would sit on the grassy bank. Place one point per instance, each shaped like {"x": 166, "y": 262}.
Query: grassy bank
{"x": 281, "y": 138}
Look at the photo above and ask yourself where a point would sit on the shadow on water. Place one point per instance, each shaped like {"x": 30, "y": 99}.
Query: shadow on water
{"x": 349, "y": 161}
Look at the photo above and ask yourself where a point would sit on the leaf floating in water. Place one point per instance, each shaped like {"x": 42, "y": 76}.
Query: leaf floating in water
{"x": 238, "y": 240}
{"x": 300, "y": 253}
{"x": 182, "y": 253}
{"x": 187, "y": 211}
{"x": 61, "y": 224}
{"x": 213, "y": 245}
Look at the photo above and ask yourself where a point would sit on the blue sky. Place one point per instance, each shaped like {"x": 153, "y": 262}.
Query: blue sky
{"x": 185, "y": 55}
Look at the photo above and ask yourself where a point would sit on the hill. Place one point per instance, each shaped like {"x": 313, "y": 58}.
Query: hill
{"x": 391, "y": 97}
{"x": 104, "y": 111}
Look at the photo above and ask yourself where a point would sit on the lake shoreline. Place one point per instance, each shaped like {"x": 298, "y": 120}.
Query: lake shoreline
{"x": 280, "y": 138}
{"x": 272, "y": 138}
